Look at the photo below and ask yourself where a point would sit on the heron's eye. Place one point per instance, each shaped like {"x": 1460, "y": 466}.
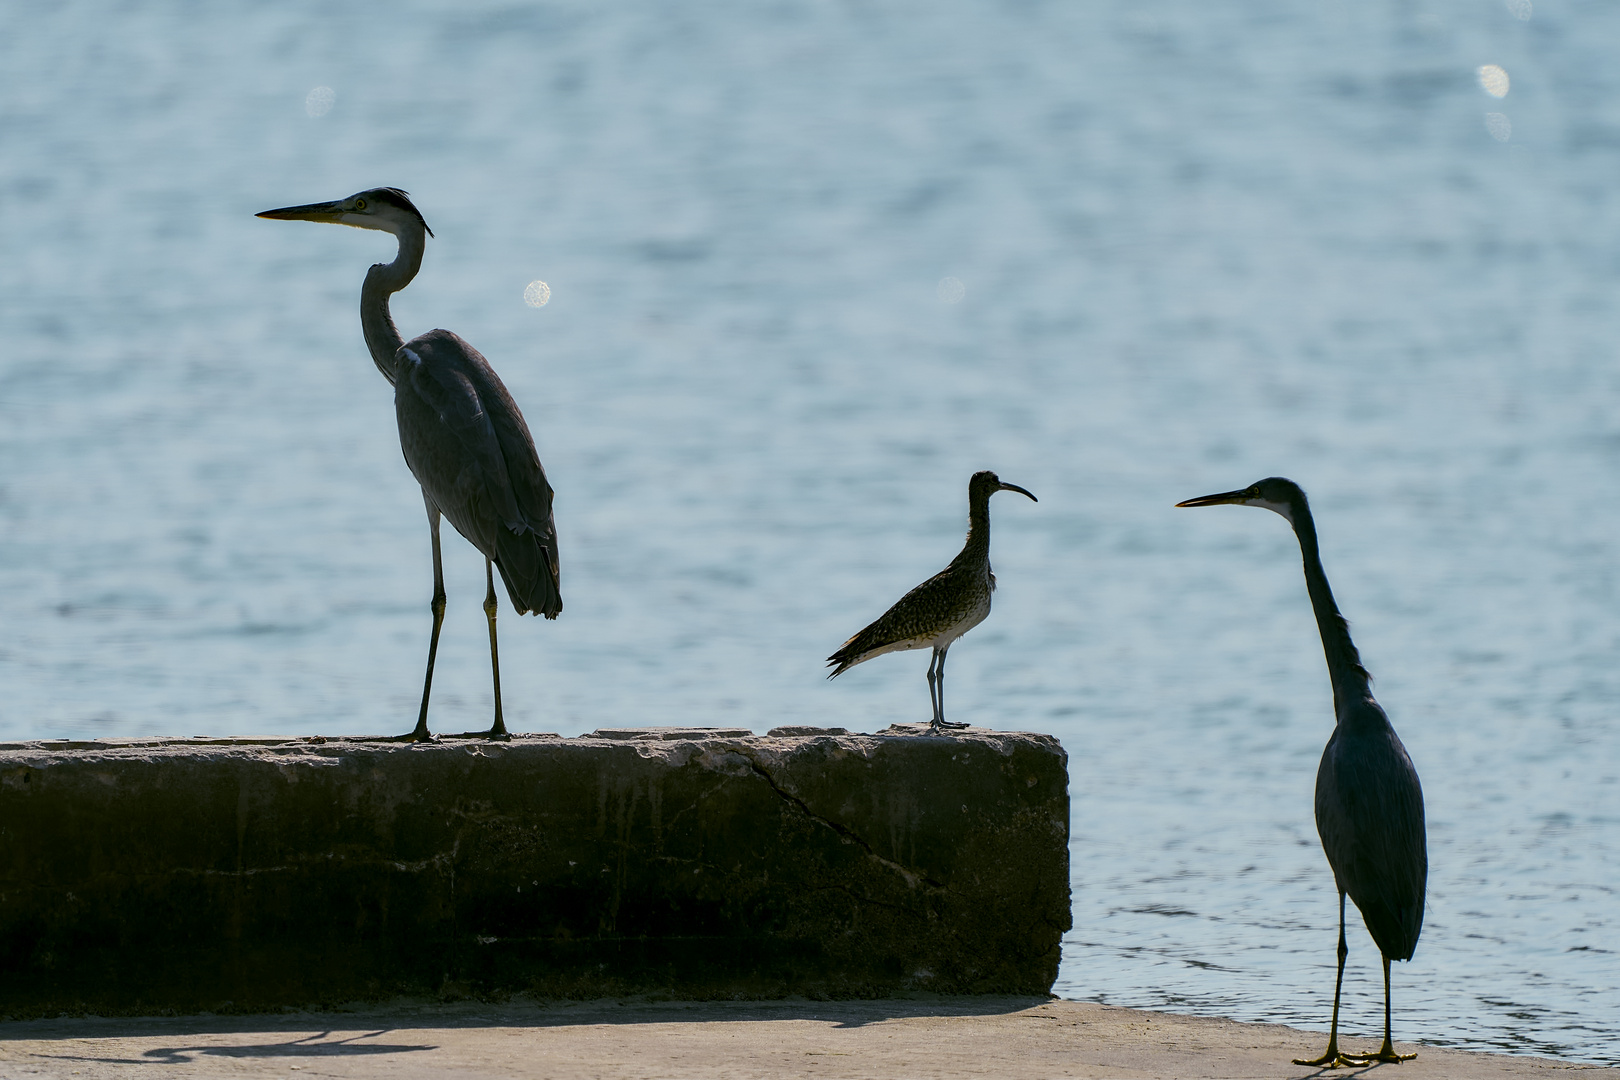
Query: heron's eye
{"x": 359, "y": 204}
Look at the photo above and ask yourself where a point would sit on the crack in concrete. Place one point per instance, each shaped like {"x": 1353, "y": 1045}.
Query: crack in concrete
{"x": 859, "y": 899}
{"x": 911, "y": 877}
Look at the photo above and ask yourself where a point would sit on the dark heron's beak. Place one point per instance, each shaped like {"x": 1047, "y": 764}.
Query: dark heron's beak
{"x": 1021, "y": 491}
{"x": 1219, "y": 500}
{"x": 330, "y": 212}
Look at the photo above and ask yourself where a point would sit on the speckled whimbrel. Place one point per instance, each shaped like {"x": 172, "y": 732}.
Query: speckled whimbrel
{"x": 941, "y": 609}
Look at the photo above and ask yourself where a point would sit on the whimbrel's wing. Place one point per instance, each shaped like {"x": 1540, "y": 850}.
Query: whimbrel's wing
{"x": 916, "y": 619}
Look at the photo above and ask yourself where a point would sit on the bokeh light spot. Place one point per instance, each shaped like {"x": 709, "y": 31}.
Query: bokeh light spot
{"x": 537, "y": 294}
{"x": 1500, "y": 127}
{"x": 1493, "y": 80}
{"x": 950, "y": 290}
{"x": 320, "y": 100}
{"x": 1519, "y": 9}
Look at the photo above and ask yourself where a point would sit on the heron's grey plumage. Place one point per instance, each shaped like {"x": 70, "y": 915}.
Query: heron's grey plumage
{"x": 1369, "y": 802}
{"x": 468, "y": 446}
{"x": 941, "y": 609}
{"x": 462, "y": 435}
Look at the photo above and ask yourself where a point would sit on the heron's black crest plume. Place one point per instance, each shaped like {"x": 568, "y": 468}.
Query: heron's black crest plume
{"x": 400, "y": 198}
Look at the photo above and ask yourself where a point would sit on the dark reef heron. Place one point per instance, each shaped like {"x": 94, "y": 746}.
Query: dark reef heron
{"x": 941, "y": 609}
{"x": 463, "y": 436}
{"x": 1369, "y": 804}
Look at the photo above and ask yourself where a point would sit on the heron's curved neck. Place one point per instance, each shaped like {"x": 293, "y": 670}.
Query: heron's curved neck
{"x": 382, "y": 281}
{"x": 1350, "y": 679}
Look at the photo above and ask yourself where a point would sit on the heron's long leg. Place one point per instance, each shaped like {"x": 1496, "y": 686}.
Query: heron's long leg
{"x": 497, "y": 730}
{"x": 421, "y": 732}
{"x": 1332, "y": 1058}
{"x": 940, "y": 723}
{"x": 1387, "y": 1051}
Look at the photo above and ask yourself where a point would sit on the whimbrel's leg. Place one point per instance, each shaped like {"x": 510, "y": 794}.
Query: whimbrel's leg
{"x": 421, "y": 732}
{"x": 940, "y": 723}
{"x": 497, "y": 730}
{"x": 1387, "y": 1051}
{"x": 1332, "y": 1058}
{"x": 933, "y": 690}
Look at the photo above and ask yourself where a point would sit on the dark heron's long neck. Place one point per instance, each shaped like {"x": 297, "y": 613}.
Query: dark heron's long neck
{"x": 382, "y": 281}
{"x": 1350, "y": 679}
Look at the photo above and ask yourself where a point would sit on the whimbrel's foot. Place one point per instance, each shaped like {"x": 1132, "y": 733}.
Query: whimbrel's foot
{"x": 493, "y": 735}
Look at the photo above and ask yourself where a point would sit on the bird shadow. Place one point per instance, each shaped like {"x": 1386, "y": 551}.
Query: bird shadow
{"x": 844, "y": 1013}
{"x": 1342, "y": 1070}
{"x": 308, "y": 1046}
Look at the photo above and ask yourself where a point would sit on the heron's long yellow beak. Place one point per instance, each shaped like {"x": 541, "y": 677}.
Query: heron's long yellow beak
{"x": 330, "y": 212}
{"x": 1219, "y": 500}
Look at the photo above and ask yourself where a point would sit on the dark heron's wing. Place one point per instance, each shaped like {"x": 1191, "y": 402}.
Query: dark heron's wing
{"x": 1369, "y": 813}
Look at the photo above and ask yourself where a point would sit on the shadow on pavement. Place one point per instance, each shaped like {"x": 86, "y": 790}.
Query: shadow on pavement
{"x": 371, "y": 1021}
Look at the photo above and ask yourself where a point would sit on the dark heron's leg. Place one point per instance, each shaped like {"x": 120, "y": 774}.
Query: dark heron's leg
{"x": 1387, "y": 1051}
{"x": 1332, "y": 1058}
{"x": 421, "y": 732}
{"x": 940, "y": 723}
{"x": 497, "y": 730}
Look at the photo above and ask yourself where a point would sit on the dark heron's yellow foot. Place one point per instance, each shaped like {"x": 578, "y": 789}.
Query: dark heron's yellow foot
{"x": 1333, "y": 1059}
{"x": 1386, "y": 1055}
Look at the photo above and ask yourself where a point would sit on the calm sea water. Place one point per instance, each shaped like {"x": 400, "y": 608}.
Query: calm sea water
{"x": 1192, "y": 245}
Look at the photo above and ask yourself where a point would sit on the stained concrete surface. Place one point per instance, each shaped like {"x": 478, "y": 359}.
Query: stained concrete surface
{"x": 244, "y": 875}
{"x": 1011, "y": 1038}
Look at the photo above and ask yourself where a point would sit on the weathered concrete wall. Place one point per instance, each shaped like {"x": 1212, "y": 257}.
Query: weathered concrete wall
{"x": 239, "y": 874}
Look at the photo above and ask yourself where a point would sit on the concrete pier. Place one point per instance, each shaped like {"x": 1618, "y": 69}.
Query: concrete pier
{"x": 236, "y": 875}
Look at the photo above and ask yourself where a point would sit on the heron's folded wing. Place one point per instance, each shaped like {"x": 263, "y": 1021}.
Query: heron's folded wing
{"x": 468, "y": 445}
{"x": 450, "y": 444}
{"x": 525, "y": 475}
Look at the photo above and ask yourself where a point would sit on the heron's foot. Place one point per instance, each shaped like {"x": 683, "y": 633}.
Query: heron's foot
{"x": 1333, "y": 1059}
{"x": 938, "y": 726}
{"x": 421, "y": 734}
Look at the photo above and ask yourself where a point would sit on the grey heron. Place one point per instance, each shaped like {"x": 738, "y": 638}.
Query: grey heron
{"x": 1369, "y": 804}
{"x": 462, "y": 434}
{"x": 941, "y": 609}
